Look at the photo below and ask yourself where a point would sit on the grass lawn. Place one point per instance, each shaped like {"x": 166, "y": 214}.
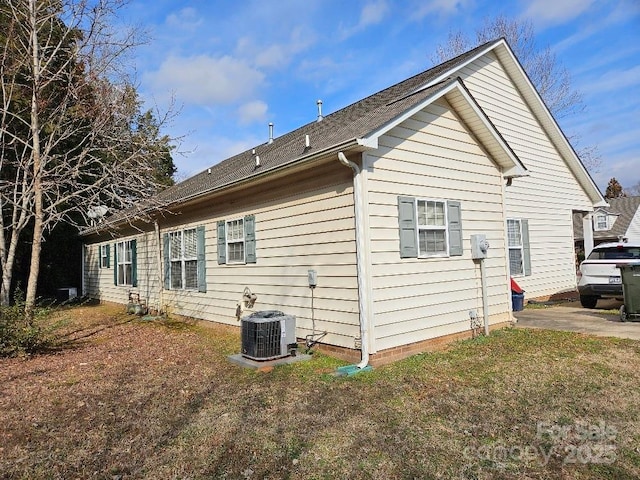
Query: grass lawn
{"x": 129, "y": 399}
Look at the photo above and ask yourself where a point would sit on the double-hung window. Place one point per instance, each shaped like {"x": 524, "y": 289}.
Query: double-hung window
{"x": 125, "y": 263}
{"x": 104, "y": 256}
{"x": 601, "y": 222}
{"x": 516, "y": 251}
{"x": 518, "y": 244}
{"x": 184, "y": 259}
{"x": 235, "y": 241}
{"x": 429, "y": 228}
{"x": 432, "y": 228}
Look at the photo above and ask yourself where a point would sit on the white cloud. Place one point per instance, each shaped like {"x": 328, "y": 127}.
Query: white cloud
{"x": 185, "y": 19}
{"x": 553, "y": 12}
{"x": 275, "y": 55}
{"x": 205, "y": 80}
{"x": 614, "y": 80}
{"x": 423, "y": 8}
{"x": 254, "y": 111}
{"x": 371, "y": 14}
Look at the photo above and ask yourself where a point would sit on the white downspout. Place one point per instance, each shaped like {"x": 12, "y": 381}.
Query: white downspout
{"x": 360, "y": 263}
{"x": 159, "y": 266}
{"x": 83, "y": 280}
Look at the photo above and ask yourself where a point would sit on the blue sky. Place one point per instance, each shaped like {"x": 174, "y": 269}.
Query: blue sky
{"x": 233, "y": 67}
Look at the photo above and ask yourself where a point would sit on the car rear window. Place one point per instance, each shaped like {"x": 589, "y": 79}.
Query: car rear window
{"x": 615, "y": 253}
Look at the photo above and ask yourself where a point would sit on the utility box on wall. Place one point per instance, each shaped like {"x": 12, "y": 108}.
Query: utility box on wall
{"x": 479, "y": 246}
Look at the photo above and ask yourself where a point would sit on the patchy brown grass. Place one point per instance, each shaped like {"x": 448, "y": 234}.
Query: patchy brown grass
{"x": 132, "y": 399}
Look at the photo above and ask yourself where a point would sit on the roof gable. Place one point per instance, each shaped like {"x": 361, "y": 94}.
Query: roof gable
{"x": 356, "y": 127}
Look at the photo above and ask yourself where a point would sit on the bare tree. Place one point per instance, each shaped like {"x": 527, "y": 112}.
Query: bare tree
{"x": 634, "y": 190}
{"x": 84, "y": 145}
{"x": 551, "y": 79}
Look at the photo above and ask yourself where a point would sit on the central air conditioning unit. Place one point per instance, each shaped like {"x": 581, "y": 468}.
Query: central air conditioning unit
{"x": 268, "y": 335}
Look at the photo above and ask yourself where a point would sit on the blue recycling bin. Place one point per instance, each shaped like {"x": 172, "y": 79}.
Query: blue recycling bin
{"x": 517, "y": 301}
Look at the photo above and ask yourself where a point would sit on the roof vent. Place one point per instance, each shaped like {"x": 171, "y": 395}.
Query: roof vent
{"x": 320, "y": 117}
{"x": 307, "y": 142}
{"x": 270, "y": 132}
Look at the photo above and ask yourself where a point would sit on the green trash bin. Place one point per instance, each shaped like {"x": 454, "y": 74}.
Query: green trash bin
{"x": 630, "y": 273}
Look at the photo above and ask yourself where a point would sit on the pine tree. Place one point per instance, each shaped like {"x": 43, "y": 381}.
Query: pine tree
{"x": 614, "y": 189}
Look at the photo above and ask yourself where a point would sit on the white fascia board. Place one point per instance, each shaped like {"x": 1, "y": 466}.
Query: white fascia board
{"x": 502, "y": 153}
{"x": 509, "y": 162}
{"x": 540, "y": 110}
{"x": 511, "y": 64}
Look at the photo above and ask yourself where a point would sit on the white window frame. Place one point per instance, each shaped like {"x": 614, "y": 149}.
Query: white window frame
{"x": 103, "y": 256}
{"x": 182, "y": 258}
{"x": 597, "y": 227}
{"x": 233, "y": 241}
{"x": 520, "y": 247}
{"x": 124, "y": 249}
{"x": 429, "y": 227}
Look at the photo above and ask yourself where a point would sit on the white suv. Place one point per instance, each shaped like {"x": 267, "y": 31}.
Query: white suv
{"x": 598, "y": 275}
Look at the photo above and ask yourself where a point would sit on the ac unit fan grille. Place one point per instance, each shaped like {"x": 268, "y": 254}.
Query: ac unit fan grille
{"x": 261, "y": 340}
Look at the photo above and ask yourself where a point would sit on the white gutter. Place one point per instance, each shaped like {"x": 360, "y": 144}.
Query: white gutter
{"x": 360, "y": 261}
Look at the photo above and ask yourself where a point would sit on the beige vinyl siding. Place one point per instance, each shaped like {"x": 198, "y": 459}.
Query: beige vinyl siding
{"x": 304, "y": 221}
{"x": 433, "y": 156}
{"x": 99, "y": 282}
{"x": 548, "y": 195}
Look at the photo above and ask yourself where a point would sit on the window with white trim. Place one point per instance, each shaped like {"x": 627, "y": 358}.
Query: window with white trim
{"x": 124, "y": 265}
{"x": 183, "y": 257}
{"x": 432, "y": 228}
{"x": 516, "y": 247}
{"x": 235, "y": 241}
{"x": 601, "y": 222}
{"x": 104, "y": 256}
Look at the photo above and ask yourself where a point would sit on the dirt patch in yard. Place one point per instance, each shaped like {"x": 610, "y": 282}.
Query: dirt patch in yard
{"x": 132, "y": 399}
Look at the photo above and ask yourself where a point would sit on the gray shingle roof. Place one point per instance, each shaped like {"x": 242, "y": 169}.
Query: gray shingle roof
{"x": 624, "y": 207}
{"x": 338, "y": 128}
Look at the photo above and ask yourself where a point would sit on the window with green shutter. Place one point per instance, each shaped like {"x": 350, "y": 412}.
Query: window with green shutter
{"x": 429, "y": 228}
{"x": 237, "y": 240}
{"x": 125, "y": 263}
{"x": 184, "y": 260}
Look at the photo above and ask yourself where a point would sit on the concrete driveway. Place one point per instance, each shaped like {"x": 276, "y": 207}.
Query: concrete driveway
{"x": 573, "y": 318}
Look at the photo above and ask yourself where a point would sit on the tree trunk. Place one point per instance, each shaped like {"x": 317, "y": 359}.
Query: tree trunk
{"x": 34, "y": 268}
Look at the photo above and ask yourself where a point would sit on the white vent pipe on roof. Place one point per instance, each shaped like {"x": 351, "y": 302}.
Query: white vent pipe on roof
{"x": 270, "y": 132}
{"x": 307, "y": 142}
{"x": 320, "y": 117}
{"x": 360, "y": 262}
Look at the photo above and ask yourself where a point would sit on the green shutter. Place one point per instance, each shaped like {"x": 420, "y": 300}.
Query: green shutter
{"x": 167, "y": 264}
{"x": 108, "y": 255}
{"x": 134, "y": 264}
{"x": 525, "y": 247}
{"x": 250, "y": 238}
{"x": 455, "y": 228}
{"x": 202, "y": 273}
{"x": 222, "y": 243}
{"x": 115, "y": 264}
{"x": 408, "y": 227}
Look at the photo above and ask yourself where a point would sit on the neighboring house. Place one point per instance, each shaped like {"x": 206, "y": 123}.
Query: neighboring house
{"x": 381, "y": 199}
{"x": 620, "y": 220}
